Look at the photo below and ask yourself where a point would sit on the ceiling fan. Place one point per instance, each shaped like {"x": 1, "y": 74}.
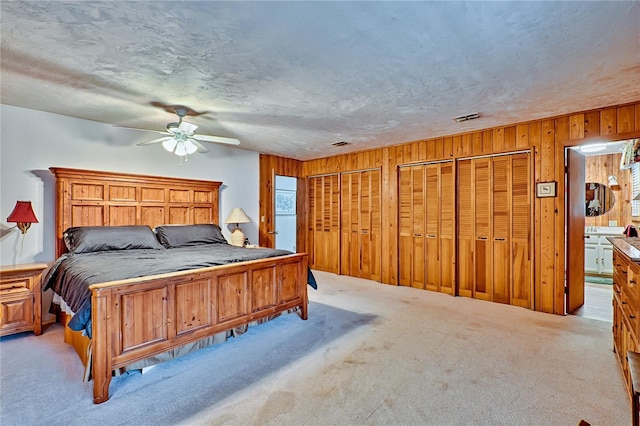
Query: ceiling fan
{"x": 182, "y": 139}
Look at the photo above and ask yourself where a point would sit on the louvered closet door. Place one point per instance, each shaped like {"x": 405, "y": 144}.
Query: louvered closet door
{"x": 311, "y": 222}
{"x": 482, "y": 226}
{"x": 501, "y": 207}
{"x": 494, "y": 210}
{"x": 405, "y": 225}
{"x": 361, "y": 224}
{"x": 370, "y": 225}
{"x": 332, "y": 218}
{"x": 432, "y": 226}
{"x": 349, "y": 208}
{"x": 447, "y": 228}
{"x": 345, "y": 238}
{"x": 365, "y": 225}
{"x": 426, "y": 226}
{"x": 466, "y": 233}
{"x": 521, "y": 282}
{"x": 325, "y": 198}
{"x": 412, "y": 226}
{"x": 375, "y": 267}
{"x": 418, "y": 232}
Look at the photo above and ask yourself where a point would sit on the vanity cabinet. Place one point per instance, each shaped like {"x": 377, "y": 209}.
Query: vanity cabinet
{"x": 598, "y": 251}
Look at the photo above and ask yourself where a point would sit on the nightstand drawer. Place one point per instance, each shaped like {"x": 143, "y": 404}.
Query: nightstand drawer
{"x": 16, "y": 314}
{"x": 16, "y": 285}
{"x": 21, "y": 298}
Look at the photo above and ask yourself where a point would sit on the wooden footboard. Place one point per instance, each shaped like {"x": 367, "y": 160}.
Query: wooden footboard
{"x": 137, "y": 318}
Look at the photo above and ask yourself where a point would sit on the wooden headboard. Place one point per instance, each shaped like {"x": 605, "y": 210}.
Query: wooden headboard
{"x": 94, "y": 198}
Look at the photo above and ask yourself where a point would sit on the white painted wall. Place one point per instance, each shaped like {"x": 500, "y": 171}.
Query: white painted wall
{"x": 32, "y": 141}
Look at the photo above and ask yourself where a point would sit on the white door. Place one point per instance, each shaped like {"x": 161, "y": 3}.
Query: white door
{"x": 285, "y": 213}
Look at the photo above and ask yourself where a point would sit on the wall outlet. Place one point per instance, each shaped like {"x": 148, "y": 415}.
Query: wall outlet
{"x": 613, "y": 223}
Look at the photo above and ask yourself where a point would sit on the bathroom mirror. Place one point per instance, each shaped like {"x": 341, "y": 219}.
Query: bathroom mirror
{"x": 599, "y": 199}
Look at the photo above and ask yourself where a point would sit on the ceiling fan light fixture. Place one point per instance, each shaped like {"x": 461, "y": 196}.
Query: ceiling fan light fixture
{"x": 170, "y": 144}
{"x": 189, "y": 147}
{"x": 181, "y": 150}
{"x": 187, "y": 127}
{"x": 182, "y": 140}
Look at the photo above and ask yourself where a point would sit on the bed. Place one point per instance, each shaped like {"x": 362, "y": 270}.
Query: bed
{"x": 181, "y": 294}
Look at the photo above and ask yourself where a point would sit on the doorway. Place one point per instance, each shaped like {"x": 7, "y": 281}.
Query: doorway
{"x": 604, "y": 192}
{"x": 285, "y": 213}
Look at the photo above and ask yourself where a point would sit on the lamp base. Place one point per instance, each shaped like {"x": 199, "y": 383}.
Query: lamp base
{"x": 237, "y": 237}
{"x": 23, "y": 227}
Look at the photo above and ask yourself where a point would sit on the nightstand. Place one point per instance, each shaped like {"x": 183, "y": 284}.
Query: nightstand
{"x": 21, "y": 298}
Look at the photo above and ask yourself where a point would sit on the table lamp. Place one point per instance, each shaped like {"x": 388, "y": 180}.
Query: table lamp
{"x": 237, "y": 216}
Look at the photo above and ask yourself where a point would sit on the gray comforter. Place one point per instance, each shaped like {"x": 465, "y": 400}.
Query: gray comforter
{"x": 72, "y": 274}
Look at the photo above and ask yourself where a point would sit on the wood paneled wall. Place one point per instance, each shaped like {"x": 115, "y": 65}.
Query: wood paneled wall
{"x": 598, "y": 168}
{"x": 547, "y": 139}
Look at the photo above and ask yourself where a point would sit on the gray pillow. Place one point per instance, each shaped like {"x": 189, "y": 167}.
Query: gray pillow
{"x": 87, "y": 239}
{"x": 189, "y": 235}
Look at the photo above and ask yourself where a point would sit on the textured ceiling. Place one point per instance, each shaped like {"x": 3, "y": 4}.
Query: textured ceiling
{"x": 291, "y": 78}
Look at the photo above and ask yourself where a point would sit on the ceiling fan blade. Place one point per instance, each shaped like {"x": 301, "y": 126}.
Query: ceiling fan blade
{"x": 216, "y": 139}
{"x": 141, "y": 130}
{"x": 162, "y": 139}
{"x": 201, "y": 148}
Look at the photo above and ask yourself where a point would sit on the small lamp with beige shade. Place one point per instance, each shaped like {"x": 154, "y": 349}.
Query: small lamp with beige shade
{"x": 237, "y": 216}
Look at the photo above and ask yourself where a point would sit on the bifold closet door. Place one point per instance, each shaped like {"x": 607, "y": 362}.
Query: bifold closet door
{"x": 361, "y": 225}
{"x": 426, "y": 226}
{"x": 447, "y": 228}
{"x": 501, "y": 207}
{"x": 412, "y": 226}
{"x": 494, "y": 229}
{"x": 482, "y": 228}
{"x": 511, "y": 230}
{"x": 324, "y": 193}
{"x": 466, "y": 233}
{"x": 521, "y": 281}
{"x": 432, "y": 226}
{"x": 474, "y": 228}
{"x": 370, "y": 225}
{"x": 350, "y": 225}
{"x": 405, "y": 225}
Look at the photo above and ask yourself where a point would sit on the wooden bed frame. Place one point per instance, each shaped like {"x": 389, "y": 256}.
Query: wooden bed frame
{"x": 138, "y": 318}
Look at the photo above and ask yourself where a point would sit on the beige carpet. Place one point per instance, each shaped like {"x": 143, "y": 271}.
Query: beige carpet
{"x": 369, "y": 354}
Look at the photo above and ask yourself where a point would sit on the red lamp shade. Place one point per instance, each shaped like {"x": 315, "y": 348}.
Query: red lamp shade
{"x": 23, "y": 215}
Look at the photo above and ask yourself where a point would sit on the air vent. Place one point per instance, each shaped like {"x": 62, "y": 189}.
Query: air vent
{"x": 467, "y": 117}
{"x": 341, "y": 143}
